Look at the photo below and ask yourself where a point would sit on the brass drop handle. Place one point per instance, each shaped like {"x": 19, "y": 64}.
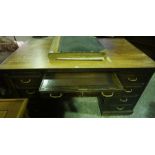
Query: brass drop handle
{"x": 107, "y": 95}
{"x": 56, "y": 96}
{"x": 124, "y": 100}
{"x": 25, "y": 81}
{"x": 132, "y": 79}
{"x": 128, "y": 90}
{"x": 30, "y": 92}
{"x": 120, "y": 108}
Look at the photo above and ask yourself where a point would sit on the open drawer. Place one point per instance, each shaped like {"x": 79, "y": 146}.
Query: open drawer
{"x": 56, "y": 85}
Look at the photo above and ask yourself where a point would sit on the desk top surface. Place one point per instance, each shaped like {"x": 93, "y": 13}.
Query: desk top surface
{"x": 119, "y": 54}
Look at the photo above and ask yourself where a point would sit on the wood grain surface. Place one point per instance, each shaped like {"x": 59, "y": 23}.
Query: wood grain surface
{"x": 11, "y": 108}
{"x": 119, "y": 53}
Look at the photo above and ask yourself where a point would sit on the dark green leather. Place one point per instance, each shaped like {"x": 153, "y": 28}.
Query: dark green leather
{"x": 79, "y": 44}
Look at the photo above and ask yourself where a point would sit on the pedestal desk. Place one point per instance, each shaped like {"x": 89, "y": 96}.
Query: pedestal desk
{"x": 25, "y": 70}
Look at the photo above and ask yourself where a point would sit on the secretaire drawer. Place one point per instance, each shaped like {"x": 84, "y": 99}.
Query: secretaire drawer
{"x": 26, "y": 82}
{"x": 80, "y": 83}
{"x": 69, "y": 94}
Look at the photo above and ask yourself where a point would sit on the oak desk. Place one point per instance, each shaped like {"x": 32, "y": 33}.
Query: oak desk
{"x": 25, "y": 69}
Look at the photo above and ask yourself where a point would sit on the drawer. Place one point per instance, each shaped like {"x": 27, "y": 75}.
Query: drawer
{"x": 26, "y": 82}
{"x": 129, "y": 79}
{"x": 29, "y": 93}
{"x": 79, "y": 84}
{"x": 119, "y": 101}
{"x": 54, "y": 95}
{"x": 131, "y": 91}
{"x": 127, "y": 92}
{"x": 69, "y": 94}
{"x": 117, "y": 109}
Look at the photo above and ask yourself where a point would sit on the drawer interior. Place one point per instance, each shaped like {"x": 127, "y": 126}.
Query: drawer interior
{"x": 80, "y": 82}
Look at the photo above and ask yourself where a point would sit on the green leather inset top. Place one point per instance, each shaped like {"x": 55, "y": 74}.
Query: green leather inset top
{"x": 79, "y": 44}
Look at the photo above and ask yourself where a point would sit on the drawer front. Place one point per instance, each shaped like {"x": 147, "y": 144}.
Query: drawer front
{"x": 117, "y": 109}
{"x": 119, "y": 101}
{"x": 29, "y": 93}
{"x": 128, "y": 79}
{"x": 127, "y": 92}
{"x": 26, "y": 82}
{"x": 82, "y": 84}
{"x": 117, "y": 105}
{"x": 131, "y": 91}
{"x": 70, "y": 94}
{"x": 56, "y": 95}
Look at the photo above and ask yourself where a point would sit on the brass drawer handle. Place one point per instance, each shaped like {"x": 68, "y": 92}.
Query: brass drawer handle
{"x": 25, "y": 81}
{"x": 56, "y": 96}
{"x": 30, "y": 92}
{"x": 120, "y": 108}
{"x": 107, "y": 95}
{"x": 128, "y": 90}
{"x": 132, "y": 79}
{"x": 124, "y": 100}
